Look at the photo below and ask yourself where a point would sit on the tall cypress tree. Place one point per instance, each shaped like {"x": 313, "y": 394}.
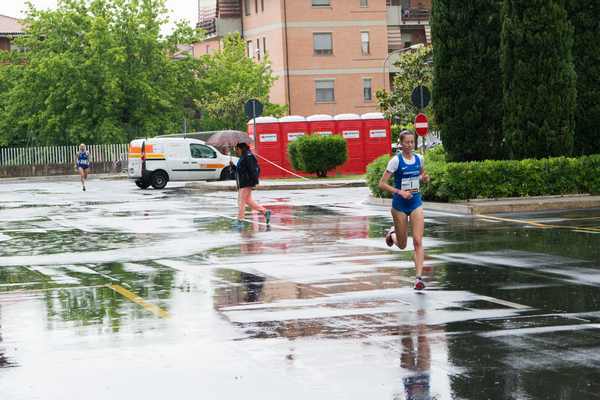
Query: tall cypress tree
{"x": 586, "y": 54}
{"x": 467, "y": 84}
{"x": 538, "y": 78}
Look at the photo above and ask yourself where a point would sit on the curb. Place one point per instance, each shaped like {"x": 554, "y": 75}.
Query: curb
{"x": 510, "y": 205}
{"x": 427, "y": 205}
{"x": 273, "y": 185}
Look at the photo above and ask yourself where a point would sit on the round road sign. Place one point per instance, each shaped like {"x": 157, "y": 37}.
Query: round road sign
{"x": 421, "y": 124}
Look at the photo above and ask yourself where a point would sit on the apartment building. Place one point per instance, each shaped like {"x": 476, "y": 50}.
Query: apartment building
{"x": 9, "y": 28}
{"x": 330, "y": 56}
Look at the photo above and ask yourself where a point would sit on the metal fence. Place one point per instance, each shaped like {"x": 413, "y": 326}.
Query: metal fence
{"x": 12, "y": 156}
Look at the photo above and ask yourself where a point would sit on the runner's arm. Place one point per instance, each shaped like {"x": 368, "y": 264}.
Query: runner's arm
{"x": 423, "y": 177}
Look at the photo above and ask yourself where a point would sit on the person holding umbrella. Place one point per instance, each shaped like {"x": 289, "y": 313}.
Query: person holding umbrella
{"x": 247, "y": 173}
{"x": 226, "y": 140}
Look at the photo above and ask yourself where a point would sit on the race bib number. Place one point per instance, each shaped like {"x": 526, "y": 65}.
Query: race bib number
{"x": 411, "y": 184}
{"x": 84, "y": 162}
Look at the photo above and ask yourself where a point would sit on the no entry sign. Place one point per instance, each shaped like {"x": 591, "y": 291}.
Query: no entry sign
{"x": 421, "y": 124}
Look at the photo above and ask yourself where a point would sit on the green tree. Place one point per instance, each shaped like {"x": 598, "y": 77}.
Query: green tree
{"x": 229, "y": 79}
{"x": 96, "y": 71}
{"x": 586, "y": 54}
{"x": 414, "y": 69}
{"x": 467, "y": 84}
{"x": 538, "y": 78}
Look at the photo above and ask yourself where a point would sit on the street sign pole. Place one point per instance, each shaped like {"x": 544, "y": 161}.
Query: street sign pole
{"x": 422, "y": 127}
{"x": 254, "y": 123}
{"x": 420, "y": 98}
{"x": 422, "y": 108}
{"x": 253, "y": 108}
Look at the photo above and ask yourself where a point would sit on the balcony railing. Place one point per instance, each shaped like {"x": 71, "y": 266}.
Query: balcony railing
{"x": 207, "y": 18}
{"x": 411, "y": 14}
{"x": 397, "y": 15}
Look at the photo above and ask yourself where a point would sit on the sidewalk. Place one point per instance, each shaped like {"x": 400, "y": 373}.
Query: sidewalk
{"x": 63, "y": 178}
{"x": 277, "y": 184}
{"x": 507, "y": 205}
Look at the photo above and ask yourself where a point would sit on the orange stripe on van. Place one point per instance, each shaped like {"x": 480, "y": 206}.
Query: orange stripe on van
{"x": 215, "y": 166}
{"x": 138, "y": 149}
{"x": 155, "y": 155}
{"x": 149, "y": 156}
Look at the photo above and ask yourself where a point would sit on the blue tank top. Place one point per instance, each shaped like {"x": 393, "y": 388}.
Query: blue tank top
{"x": 407, "y": 175}
{"x": 83, "y": 159}
{"x": 406, "y": 178}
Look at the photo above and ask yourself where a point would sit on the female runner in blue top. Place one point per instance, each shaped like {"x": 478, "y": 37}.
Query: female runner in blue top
{"x": 83, "y": 164}
{"x": 408, "y": 171}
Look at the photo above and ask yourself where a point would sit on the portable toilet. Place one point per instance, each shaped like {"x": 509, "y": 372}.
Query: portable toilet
{"x": 350, "y": 127}
{"x": 292, "y": 127}
{"x": 321, "y": 124}
{"x": 267, "y": 146}
{"x": 378, "y": 136}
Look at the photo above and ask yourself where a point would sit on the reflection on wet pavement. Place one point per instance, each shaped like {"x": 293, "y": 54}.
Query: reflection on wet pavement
{"x": 160, "y": 293}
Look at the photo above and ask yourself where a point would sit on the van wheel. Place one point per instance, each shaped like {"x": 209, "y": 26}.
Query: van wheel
{"x": 227, "y": 174}
{"x": 142, "y": 184}
{"x": 159, "y": 180}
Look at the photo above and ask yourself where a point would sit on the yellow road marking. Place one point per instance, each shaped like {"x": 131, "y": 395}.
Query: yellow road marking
{"x": 159, "y": 312}
{"x": 585, "y": 229}
{"x": 581, "y": 219}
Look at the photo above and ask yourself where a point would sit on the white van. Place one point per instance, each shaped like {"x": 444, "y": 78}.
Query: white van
{"x": 156, "y": 161}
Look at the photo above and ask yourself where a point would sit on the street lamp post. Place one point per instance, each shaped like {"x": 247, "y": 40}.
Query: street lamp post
{"x": 399, "y": 51}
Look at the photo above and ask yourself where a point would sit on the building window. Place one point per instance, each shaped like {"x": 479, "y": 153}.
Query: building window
{"x": 321, "y": 3}
{"x": 246, "y": 7}
{"x": 364, "y": 3}
{"x": 367, "y": 89}
{"x": 258, "y": 48}
{"x": 323, "y": 43}
{"x": 250, "y": 48}
{"x": 364, "y": 43}
{"x": 264, "y": 45}
{"x": 324, "y": 91}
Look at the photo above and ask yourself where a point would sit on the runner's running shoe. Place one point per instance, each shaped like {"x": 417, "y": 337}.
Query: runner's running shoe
{"x": 419, "y": 284}
{"x": 388, "y": 237}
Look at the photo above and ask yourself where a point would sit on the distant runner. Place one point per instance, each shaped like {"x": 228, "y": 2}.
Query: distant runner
{"x": 247, "y": 173}
{"x": 408, "y": 171}
{"x": 83, "y": 164}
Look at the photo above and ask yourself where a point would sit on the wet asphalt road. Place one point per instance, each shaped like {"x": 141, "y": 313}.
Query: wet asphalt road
{"x": 118, "y": 293}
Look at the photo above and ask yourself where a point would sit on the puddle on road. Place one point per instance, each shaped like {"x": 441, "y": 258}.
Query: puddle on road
{"x": 325, "y": 301}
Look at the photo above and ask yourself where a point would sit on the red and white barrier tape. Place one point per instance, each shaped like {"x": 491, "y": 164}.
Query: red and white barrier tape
{"x": 295, "y": 174}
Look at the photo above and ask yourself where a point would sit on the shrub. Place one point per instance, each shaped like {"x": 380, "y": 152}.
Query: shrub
{"x": 374, "y": 172}
{"x": 318, "y": 154}
{"x": 498, "y": 179}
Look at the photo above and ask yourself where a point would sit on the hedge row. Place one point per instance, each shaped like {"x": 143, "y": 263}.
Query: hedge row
{"x": 496, "y": 179}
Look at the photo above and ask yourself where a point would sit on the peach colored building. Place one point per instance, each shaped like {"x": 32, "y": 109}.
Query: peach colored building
{"x": 330, "y": 56}
{"x": 9, "y": 28}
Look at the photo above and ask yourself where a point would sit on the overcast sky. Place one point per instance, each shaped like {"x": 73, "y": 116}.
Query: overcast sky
{"x": 180, "y": 9}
